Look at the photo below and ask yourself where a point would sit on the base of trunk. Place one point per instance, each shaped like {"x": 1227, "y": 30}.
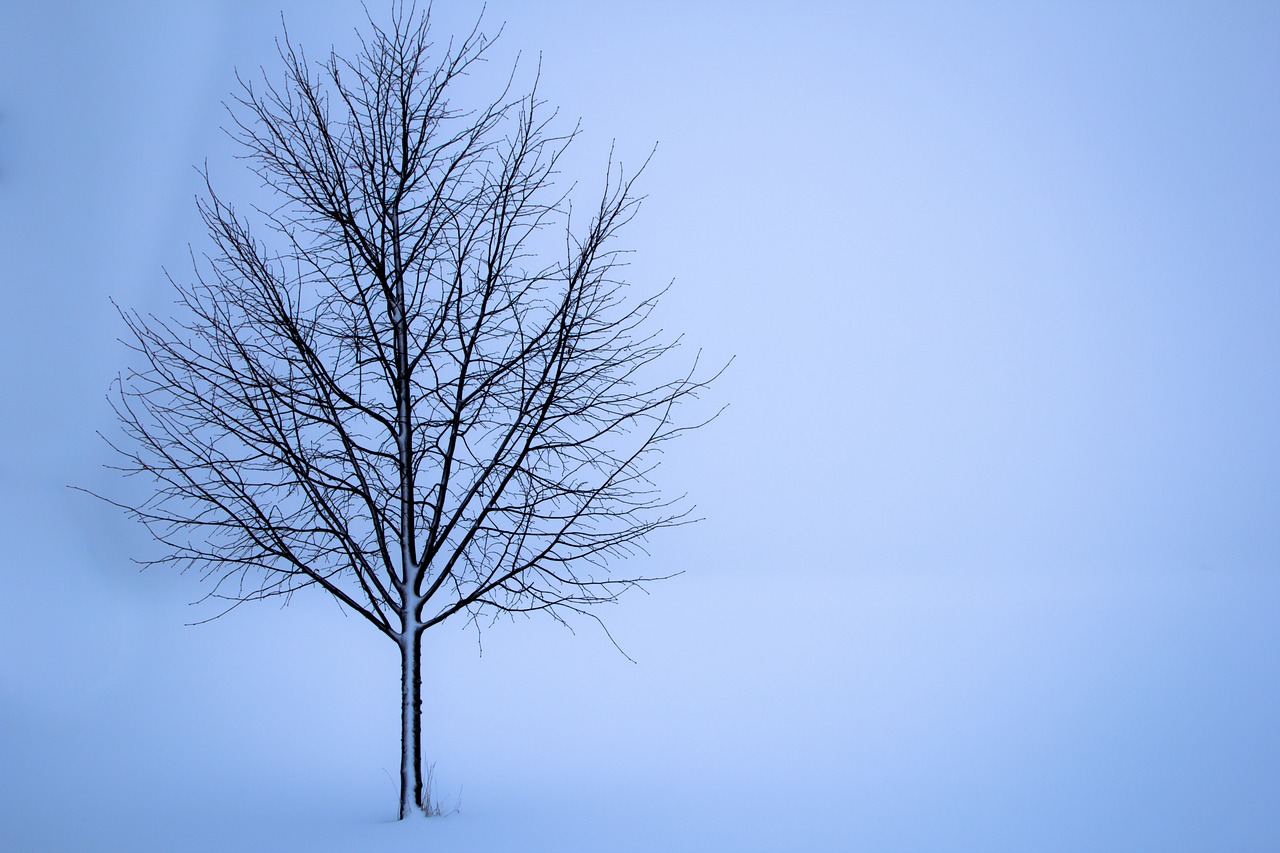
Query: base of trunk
{"x": 414, "y": 794}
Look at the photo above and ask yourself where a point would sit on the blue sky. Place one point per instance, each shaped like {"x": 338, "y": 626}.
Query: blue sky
{"x": 990, "y": 553}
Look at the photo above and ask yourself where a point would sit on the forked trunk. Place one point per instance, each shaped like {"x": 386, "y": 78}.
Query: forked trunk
{"x": 411, "y": 787}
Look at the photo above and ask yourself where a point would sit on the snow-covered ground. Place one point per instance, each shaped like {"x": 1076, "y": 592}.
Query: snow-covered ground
{"x": 943, "y": 710}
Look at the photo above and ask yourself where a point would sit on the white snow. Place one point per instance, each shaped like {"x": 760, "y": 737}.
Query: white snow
{"x": 929, "y": 712}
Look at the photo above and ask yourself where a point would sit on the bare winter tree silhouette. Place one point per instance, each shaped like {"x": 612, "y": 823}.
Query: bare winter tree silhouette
{"x": 418, "y": 383}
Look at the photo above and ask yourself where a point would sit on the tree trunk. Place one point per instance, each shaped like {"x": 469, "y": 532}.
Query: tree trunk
{"x": 411, "y": 722}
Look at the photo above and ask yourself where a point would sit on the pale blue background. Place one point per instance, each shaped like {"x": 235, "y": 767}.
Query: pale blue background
{"x": 991, "y": 558}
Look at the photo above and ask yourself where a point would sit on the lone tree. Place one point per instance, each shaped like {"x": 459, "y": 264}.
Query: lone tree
{"x": 416, "y": 383}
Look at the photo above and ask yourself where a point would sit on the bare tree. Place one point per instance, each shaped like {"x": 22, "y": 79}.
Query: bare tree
{"x": 417, "y": 383}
